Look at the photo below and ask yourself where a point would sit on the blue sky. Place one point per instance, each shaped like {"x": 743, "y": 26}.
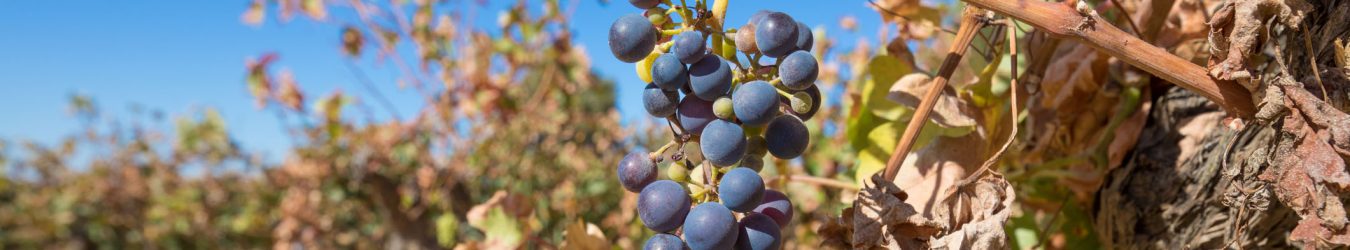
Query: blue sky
{"x": 183, "y": 57}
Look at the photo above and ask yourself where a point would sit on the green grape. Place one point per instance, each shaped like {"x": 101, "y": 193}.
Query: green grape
{"x": 657, "y": 16}
{"x": 723, "y": 109}
{"x": 678, "y": 172}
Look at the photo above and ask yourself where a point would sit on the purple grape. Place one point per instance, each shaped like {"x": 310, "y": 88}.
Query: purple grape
{"x": 710, "y": 78}
{"x": 668, "y": 73}
{"x": 758, "y": 232}
{"x": 644, "y": 4}
{"x": 631, "y": 38}
{"x": 804, "y": 37}
{"x": 776, "y": 34}
{"x": 664, "y": 242}
{"x": 690, "y": 46}
{"x": 659, "y": 103}
{"x": 798, "y": 70}
{"x": 755, "y": 103}
{"x": 723, "y": 143}
{"x": 710, "y": 226}
{"x": 777, "y": 206}
{"x": 741, "y": 189}
{"x": 758, "y": 16}
{"x": 694, "y": 114}
{"x": 786, "y": 137}
{"x": 663, "y": 205}
{"x": 814, "y": 93}
{"x": 636, "y": 170}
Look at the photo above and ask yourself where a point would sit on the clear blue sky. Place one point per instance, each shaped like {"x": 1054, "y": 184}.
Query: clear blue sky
{"x": 182, "y": 57}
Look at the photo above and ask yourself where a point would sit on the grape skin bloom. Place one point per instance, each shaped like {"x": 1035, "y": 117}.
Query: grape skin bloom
{"x": 741, "y": 189}
{"x": 710, "y": 226}
{"x": 755, "y": 103}
{"x": 668, "y": 73}
{"x": 710, "y": 78}
{"x": 723, "y": 143}
{"x": 659, "y": 103}
{"x": 636, "y": 171}
{"x": 798, "y": 70}
{"x": 663, "y": 205}
{"x": 776, "y": 34}
{"x": 631, "y": 38}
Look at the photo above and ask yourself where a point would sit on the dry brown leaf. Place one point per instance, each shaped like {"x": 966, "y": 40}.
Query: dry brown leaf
{"x": 1070, "y": 83}
{"x": 1127, "y": 134}
{"x": 1312, "y": 175}
{"x": 582, "y": 235}
{"x": 1237, "y": 26}
{"x": 881, "y": 219}
{"x": 949, "y": 112}
{"x": 978, "y": 213}
{"x": 927, "y": 174}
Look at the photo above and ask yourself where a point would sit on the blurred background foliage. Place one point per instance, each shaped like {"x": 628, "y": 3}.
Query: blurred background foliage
{"x": 514, "y": 145}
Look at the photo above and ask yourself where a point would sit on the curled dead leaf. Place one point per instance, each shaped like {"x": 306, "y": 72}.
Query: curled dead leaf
{"x": 881, "y": 219}
{"x": 949, "y": 112}
{"x": 977, "y": 213}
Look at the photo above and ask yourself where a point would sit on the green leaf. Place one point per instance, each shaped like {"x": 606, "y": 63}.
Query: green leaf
{"x": 446, "y": 228}
{"x": 884, "y": 71}
{"x": 881, "y": 144}
{"x": 501, "y": 229}
{"x": 1024, "y": 231}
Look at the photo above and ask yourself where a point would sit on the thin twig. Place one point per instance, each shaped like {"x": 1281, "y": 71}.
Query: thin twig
{"x": 821, "y": 181}
{"x": 1012, "y": 135}
{"x": 1046, "y": 228}
{"x": 970, "y": 24}
{"x": 366, "y": 83}
{"x": 1312, "y": 60}
{"x": 1126, "y": 16}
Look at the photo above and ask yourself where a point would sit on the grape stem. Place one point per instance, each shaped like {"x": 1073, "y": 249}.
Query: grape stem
{"x": 656, "y": 155}
{"x": 709, "y": 181}
{"x": 672, "y": 32}
{"x": 674, "y": 122}
{"x": 782, "y": 92}
{"x": 971, "y": 22}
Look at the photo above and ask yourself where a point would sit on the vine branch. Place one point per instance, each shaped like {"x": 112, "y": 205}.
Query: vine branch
{"x": 1063, "y": 21}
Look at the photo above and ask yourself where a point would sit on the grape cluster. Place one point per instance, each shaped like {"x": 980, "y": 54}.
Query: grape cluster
{"x": 735, "y": 112}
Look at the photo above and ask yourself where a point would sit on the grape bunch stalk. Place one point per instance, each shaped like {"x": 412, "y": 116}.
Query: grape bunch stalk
{"x": 735, "y": 112}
